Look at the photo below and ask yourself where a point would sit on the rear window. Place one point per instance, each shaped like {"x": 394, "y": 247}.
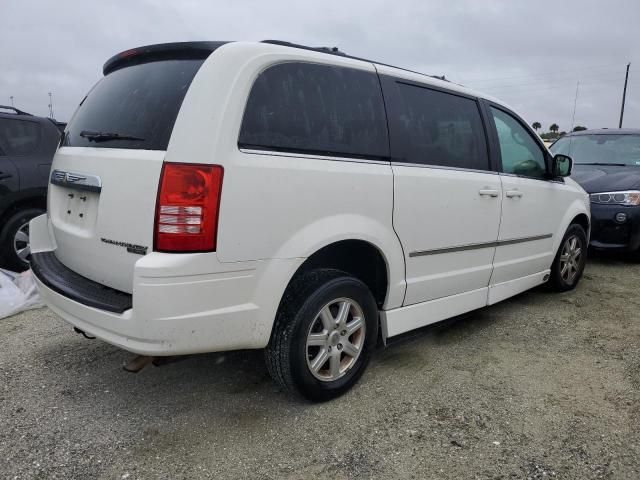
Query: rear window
{"x": 317, "y": 109}
{"x": 139, "y": 101}
{"x": 21, "y": 137}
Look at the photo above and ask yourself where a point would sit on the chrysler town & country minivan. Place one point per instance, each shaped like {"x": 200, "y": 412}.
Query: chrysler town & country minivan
{"x": 211, "y": 196}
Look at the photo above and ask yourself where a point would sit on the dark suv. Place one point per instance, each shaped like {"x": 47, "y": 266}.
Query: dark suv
{"x": 607, "y": 166}
{"x": 27, "y": 145}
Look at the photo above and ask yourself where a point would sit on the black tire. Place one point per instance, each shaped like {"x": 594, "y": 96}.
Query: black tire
{"x": 560, "y": 280}
{"x": 288, "y": 355}
{"x": 8, "y": 256}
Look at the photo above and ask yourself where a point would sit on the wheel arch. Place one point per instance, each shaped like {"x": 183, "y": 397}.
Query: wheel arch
{"x": 583, "y": 220}
{"x": 334, "y": 233}
{"x": 356, "y": 257}
{"x": 576, "y": 213}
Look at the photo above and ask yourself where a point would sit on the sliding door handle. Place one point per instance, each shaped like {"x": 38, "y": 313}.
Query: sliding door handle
{"x": 488, "y": 192}
{"x": 513, "y": 194}
{"x": 4, "y": 176}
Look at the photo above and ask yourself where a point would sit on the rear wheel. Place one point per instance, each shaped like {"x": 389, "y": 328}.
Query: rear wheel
{"x": 14, "y": 240}
{"x": 568, "y": 266}
{"x": 325, "y": 331}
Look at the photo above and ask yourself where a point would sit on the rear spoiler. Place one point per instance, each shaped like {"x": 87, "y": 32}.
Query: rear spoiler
{"x": 161, "y": 51}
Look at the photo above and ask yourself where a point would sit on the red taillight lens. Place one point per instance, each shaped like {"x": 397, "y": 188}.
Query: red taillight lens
{"x": 187, "y": 208}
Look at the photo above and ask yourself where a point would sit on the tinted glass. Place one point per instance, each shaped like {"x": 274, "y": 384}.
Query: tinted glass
{"x": 520, "y": 153}
{"x": 607, "y": 149}
{"x": 20, "y": 137}
{"x": 139, "y": 101}
{"x": 317, "y": 109}
{"x": 439, "y": 128}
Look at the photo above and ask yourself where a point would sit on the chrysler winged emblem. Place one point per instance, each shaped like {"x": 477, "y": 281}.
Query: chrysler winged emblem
{"x": 71, "y": 178}
{"x": 78, "y": 181}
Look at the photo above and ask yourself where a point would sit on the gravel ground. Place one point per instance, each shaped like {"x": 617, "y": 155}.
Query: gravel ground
{"x": 541, "y": 386}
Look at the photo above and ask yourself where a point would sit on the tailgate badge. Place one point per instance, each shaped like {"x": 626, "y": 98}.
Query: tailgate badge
{"x": 78, "y": 181}
{"x": 131, "y": 248}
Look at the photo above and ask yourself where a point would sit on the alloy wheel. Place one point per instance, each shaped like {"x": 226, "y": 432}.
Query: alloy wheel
{"x": 570, "y": 259}
{"x": 335, "y": 339}
{"x": 21, "y": 245}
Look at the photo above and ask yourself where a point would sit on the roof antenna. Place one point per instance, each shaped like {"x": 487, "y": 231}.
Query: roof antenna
{"x": 573, "y": 118}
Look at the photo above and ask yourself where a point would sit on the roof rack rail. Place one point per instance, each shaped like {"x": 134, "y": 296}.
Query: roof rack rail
{"x": 18, "y": 112}
{"x": 329, "y": 50}
{"x": 336, "y": 51}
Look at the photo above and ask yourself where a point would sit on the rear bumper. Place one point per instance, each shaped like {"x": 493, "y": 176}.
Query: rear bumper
{"x": 181, "y": 303}
{"x": 607, "y": 233}
{"x": 51, "y": 272}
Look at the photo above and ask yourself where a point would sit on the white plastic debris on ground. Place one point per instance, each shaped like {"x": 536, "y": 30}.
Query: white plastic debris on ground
{"x": 17, "y": 293}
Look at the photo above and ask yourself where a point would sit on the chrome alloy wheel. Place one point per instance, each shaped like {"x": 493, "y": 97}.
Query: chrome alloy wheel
{"x": 570, "y": 258}
{"x": 335, "y": 339}
{"x": 21, "y": 244}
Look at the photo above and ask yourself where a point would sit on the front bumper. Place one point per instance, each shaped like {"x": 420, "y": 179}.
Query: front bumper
{"x": 607, "y": 233}
{"x": 173, "y": 313}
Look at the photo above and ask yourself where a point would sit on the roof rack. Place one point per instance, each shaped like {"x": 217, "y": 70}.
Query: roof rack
{"x": 18, "y": 112}
{"x": 329, "y": 50}
{"x": 336, "y": 51}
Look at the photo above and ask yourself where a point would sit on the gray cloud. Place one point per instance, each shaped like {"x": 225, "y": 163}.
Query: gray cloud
{"x": 530, "y": 54}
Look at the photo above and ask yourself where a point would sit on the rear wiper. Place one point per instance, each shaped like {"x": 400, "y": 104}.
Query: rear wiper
{"x": 602, "y": 163}
{"x": 104, "y": 136}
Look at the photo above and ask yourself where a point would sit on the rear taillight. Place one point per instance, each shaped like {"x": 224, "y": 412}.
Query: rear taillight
{"x": 187, "y": 208}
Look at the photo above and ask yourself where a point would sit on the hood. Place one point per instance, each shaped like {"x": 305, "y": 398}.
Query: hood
{"x": 606, "y": 178}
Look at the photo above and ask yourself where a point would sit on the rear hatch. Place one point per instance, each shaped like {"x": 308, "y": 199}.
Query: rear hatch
{"x": 104, "y": 179}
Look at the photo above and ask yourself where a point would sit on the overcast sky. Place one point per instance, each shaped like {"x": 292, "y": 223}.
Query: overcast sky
{"x": 528, "y": 53}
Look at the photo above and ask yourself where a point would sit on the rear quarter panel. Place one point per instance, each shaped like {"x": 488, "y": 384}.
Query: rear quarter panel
{"x": 281, "y": 206}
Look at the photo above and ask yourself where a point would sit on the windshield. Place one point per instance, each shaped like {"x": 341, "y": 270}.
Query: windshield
{"x": 133, "y": 107}
{"x": 606, "y": 149}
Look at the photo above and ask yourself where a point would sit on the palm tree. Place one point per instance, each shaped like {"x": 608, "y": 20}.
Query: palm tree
{"x": 536, "y": 126}
{"x": 554, "y": 127}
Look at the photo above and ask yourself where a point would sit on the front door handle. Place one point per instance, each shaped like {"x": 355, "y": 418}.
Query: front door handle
{"x": 513, "y": 194}
{"x": 488, "y": 192}
{"x": 4, "y": 176}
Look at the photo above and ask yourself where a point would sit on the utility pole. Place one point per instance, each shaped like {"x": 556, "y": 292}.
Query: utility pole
{"x": 624, "y": 95}
{"x": 11, "y": 98}
{"x": 50, "y": 105}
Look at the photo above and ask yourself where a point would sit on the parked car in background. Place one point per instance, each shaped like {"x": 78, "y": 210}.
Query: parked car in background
{"x": 27, "y": 145}
{"x": 607, "y": 165}
{"x": 213, "y": 196}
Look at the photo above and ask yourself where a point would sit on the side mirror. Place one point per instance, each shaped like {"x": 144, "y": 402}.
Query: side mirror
{"x": 561, "y": 165}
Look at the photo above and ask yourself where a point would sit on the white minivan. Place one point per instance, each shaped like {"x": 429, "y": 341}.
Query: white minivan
{"x": 210, "y": 196}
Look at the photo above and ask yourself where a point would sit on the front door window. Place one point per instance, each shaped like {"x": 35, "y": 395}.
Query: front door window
{"x": 520, "y": 153}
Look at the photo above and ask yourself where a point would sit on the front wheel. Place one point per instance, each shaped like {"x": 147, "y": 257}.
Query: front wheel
{"x": 323, "y": 336}
{"x": 568, "y": 266}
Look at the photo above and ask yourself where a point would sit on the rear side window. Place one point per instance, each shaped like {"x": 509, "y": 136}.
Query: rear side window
{"x": 140, "y": 101}
{"x": 318, "y": 109}
{"x": 21, "y": 137}
{"x": 437, "y": 128}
